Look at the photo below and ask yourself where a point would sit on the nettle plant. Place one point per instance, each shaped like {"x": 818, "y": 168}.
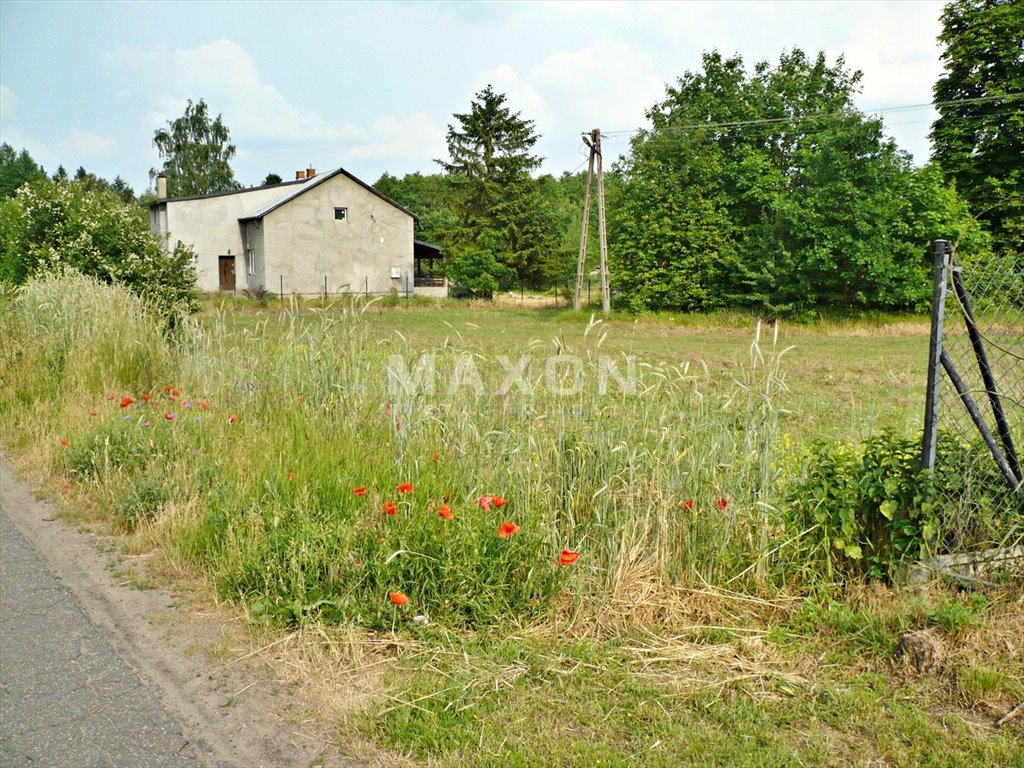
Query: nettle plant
{"x": 866, "y": 508}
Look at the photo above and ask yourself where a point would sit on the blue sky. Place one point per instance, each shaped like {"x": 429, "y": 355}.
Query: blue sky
{"x": 373, "y": 86}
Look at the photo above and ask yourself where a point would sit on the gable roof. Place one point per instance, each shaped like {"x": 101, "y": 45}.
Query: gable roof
{"x": 291, "y": 194}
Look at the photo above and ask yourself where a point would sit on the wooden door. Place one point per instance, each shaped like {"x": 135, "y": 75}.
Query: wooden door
{"x": 227, "y": 273}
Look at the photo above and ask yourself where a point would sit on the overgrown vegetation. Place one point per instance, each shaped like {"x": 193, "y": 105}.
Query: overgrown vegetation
{"x": 653, "y": 571}
{"x": 50, "y": 227}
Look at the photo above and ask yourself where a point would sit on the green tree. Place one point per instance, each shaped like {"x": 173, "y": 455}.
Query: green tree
{"x": 428, "y": 196}
{"x": 16, "y": 168}
{"x": 49, "y": 226}
{"x": 979, "y": 136}
{"x": 197, "y": 152}
{"x": 502, "y": 222}
{"x": 272, "y": 178}
{"x": 768, "y": 189}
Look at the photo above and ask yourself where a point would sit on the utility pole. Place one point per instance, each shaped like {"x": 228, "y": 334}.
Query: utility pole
{"x": 594, "y": 142}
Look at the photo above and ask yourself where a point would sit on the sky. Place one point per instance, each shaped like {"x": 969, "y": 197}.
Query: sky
{"x": 373, "y": 87}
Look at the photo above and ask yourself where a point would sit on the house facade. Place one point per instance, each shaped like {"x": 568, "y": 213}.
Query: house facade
{"x": 326, "y": 233}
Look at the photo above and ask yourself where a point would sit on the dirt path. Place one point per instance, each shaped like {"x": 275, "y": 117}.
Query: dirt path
{"x": 94, "y": 673}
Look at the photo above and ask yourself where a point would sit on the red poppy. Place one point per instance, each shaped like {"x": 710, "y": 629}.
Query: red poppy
{"x": 147, "y": 396}
{"x": 93, "y": 412}
{"x": 404, "y": 488}
{"x": 390, "y": 508}
{"x": 499, "y": 502}
{"x": 232, "y": 418}
{"x": 398, "y": 598}
{"x": 436, "y": 456}
{"x": 175, "y": 394}
{"x": 204, "y": 405}
{"x": 290, "y": 474}
{"x": 168, "y": 388}
{"x": 64, "y": 442}
{"x": 506, "y": 529}
{"x": 360, "y": 491}
{"x": 485, "y": 503}
{"x": 302, "y": 398}
{"x": 127, "y": 400}
{"x": 722, "y": 504}
{"x": 688, "y": 504}
{"x": 111, "y": 396}
{"x": 169, "y": 415}
{"x": 568, "y": 557}
{"x": 445, "y": 511}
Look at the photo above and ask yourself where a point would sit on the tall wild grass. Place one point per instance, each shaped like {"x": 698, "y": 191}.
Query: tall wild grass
{"x": 246, "y": 453}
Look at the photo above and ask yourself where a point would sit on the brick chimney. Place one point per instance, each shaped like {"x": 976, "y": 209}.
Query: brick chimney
{"x": 310, "y": 172}
{"x": 300, "y": 175}
{"x": 161, "y": 186}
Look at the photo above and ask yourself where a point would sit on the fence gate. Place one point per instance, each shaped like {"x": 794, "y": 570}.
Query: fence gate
{"x": 974, "y": 415}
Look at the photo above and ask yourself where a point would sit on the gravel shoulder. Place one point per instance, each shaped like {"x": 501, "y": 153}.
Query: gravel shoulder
{"x": 96, "y": 673}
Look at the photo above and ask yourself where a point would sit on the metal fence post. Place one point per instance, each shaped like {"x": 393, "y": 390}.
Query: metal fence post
{"x": 943, "y": 252}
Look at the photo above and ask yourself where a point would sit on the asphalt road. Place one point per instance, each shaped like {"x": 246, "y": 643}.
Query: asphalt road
{"x": 66, "y": 697}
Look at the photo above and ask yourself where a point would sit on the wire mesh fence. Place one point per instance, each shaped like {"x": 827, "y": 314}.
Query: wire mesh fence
{"x": 975, "y": 435}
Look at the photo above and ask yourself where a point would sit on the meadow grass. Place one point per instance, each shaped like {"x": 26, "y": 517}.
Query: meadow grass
{"x": 298, "y": 459}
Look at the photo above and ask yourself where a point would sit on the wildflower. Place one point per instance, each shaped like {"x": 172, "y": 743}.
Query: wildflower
{"x": 485, "y": 503}
{"x": 173, "y": 596}
{"x": 93, "y": 412}
{"x": 146, "y": 396}
{"x": 174, "y": 394}
{"x": 201, "y": 609}
{"x": 436, "y": 456}
{"x": 360, "y": 491}
{"x": 421, "y": 619}
{"x": 499, "y": 502}
{"x": 290, "y": 474}
{"x": 506, "y": 529}
{"x": 404, "y": 488}
{"x": 232, "y": 418}
{"x": 387, "y": 407}
{"x": 127, "y": 400}
{"x": 64, "y": 442}
{"x": 445, "y": 511}
{"x": 722, "y": 504}
{"x": 568, "y": 557}
{"x": 390, "y": 508}
{"x": 688, "y": 504}
{"x": 187, "y": 404}
{"x": 111, "y": 396}
{"x": 398, "y": 598}
{"x": 301, "y": 398}
{"x": 169, "y": 415}
{"x": 204, "y": 405}
{"x": 197, "y": 418}
{"x": 145, "y": 423}
{"x": 168, "y": 388}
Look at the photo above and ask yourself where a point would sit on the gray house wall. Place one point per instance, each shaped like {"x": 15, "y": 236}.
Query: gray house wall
{"x": 299, "y": 242}
{"x": 303, "y": 241}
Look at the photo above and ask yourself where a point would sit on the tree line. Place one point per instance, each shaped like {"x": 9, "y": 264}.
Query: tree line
{"x": 759, "y": 187}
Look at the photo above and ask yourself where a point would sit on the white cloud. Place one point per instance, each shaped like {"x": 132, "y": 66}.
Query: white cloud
{"x": 87, "y": 146}
{"x": 409, "y": 138}
{"x": 226, "y": 76}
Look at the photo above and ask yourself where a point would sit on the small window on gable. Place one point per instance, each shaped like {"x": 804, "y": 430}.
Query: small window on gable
{"x": 340, "y": 214}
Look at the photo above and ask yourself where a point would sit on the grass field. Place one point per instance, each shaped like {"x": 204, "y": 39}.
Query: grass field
{"x": 596, "y": 564}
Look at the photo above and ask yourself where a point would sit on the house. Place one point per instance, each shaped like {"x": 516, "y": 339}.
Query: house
{"x": 322, "y": 233}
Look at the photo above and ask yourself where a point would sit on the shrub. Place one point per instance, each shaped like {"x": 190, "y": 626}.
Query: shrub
{"x": 49, "y": 227}
{"x": 866, "y": 508}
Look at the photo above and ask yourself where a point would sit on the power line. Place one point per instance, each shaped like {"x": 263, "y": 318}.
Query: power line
{"x": 822, "y": 115}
